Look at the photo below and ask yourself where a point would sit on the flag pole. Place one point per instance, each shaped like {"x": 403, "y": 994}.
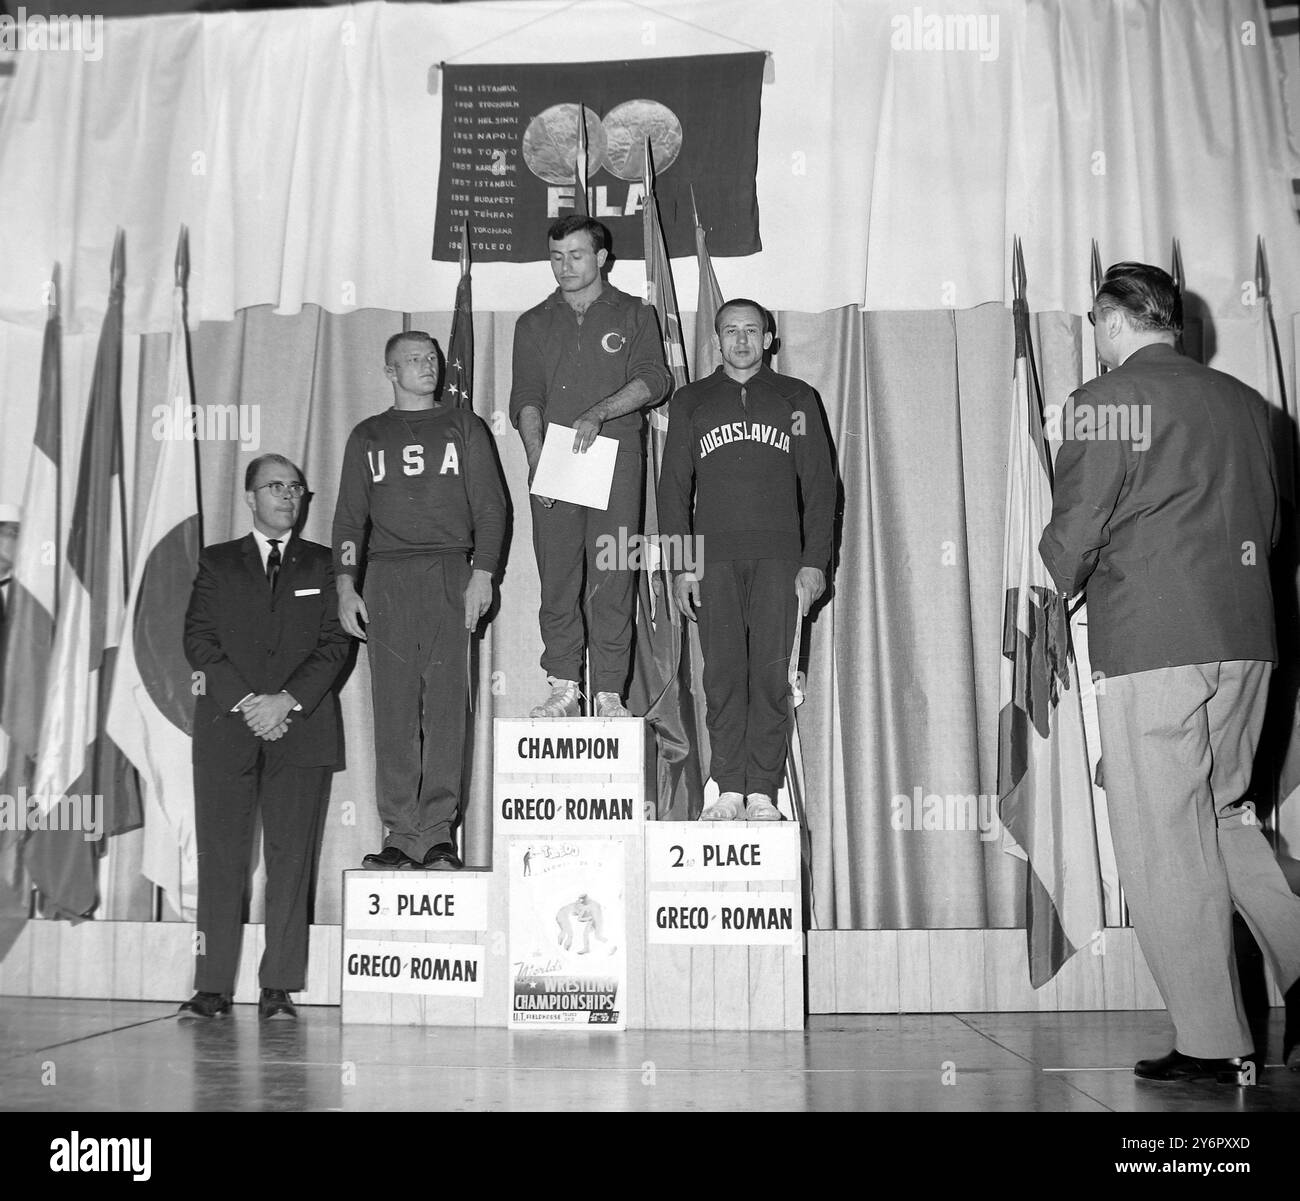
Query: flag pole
{"x": 1262, "y": 292}
{"x": 1095, "y": 275}
{"x": 580, "y": 165}
{"x": 53, "y": 314}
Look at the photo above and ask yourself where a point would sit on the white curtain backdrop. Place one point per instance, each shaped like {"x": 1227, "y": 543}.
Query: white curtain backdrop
{"x": 301, "y": 148}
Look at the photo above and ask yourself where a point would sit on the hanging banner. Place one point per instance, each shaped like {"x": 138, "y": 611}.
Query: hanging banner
{"x": 510, "y": 148}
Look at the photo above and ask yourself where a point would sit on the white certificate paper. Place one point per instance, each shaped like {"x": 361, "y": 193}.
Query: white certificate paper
{"x": 579, "y": 479}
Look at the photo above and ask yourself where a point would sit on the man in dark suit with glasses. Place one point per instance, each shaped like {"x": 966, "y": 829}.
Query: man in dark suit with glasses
{"x": 263, "y": 635}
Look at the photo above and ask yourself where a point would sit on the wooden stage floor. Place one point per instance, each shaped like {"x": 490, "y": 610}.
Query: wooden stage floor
{"x": 101, "y": 1056}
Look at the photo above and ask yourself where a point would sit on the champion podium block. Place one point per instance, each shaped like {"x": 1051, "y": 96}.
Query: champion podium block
{"x": 569, "y": 815}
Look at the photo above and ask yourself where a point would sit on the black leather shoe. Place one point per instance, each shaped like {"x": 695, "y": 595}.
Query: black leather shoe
{"x": 205, "y": 1005}
{"x": 274, "y": 1005}
{"x": 388, "y": 859}
{"x": 442, "y": 857}
{"x": 1243, "y": 1070}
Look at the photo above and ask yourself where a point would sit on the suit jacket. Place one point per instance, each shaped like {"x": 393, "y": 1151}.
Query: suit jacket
{"x": 244, "y": 638}
{"x": 1171, "y": 525}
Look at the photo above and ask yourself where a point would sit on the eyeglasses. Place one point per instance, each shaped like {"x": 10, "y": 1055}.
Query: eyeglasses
{"x": 280, "y": 490}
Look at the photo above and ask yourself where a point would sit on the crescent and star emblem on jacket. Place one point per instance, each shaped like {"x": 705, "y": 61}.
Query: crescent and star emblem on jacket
{"x": 613, "y": 342}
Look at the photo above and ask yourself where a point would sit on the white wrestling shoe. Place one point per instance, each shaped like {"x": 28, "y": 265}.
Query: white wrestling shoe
{"x": 727, "y": 808}
{"x": 610, "y": 704}
{"x": 563, "y": 701}
{"x": 759, "y": 808}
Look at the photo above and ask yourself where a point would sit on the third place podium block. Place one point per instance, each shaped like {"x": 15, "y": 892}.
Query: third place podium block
{"x": 415, "y": 948}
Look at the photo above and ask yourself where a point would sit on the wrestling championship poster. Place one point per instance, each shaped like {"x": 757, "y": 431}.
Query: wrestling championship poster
{"x": 568, "y": 934}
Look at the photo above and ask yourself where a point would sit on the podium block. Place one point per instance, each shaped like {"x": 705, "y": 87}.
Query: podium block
{"x": 416, "y": 948}
{"x": 724, "y": 932}
{"x": 591, "y": 918}
{"x": 568, "y": 803}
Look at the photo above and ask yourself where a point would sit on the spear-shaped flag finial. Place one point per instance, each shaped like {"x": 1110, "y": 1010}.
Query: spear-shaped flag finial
{"x": 1017, "y": 271}
{"x": 117, "y": 272}
{"x": 183, "y": 257}
{"x": 1261, "y": 268}
{"x": 653, "y": 281}
{"x": 580, "y": 204}
{"x": 1176, "y": 266}
{"x": 1095, "y": 275}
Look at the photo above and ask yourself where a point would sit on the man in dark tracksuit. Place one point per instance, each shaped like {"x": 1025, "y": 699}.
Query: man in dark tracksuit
{"x": 420, "y": 493}
{"x": 752, "y": 442}
{"x": 590, "y": 357}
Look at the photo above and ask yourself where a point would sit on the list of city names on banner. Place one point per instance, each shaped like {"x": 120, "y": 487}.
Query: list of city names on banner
{"x": 482, "y": 161}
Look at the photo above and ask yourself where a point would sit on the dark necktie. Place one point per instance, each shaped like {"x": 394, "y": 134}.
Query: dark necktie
{"x": 273, "y": 561}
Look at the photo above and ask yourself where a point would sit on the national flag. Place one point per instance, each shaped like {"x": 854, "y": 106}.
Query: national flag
{"x": 661, "y": 673}
{"x": 32, "y": 604}
{"x": 31, "y": 608}
{"x": 1280, "y": 741}
{"x": 151, "y": 711}
{"x": 709, "y": 301}
{"x": 76, "y": 756}
{"x": 460, "y": 350}
{"x": 707, "y": 360}
{"x": 1044, "y": 787}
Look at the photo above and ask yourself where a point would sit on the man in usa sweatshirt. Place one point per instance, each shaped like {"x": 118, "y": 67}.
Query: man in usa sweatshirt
{"x": 422, "y": 510}
{"x": 751, "y": 444}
